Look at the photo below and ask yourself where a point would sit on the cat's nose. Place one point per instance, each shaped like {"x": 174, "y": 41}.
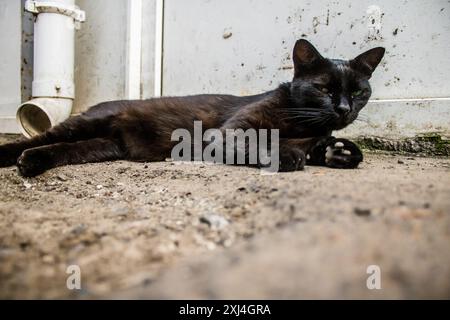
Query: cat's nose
{"x": 343, "y": 107}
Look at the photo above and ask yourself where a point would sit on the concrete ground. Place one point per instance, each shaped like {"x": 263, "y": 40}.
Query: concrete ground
{"x": 166, "y": 230}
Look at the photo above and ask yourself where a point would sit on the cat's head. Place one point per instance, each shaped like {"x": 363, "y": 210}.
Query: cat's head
{"x": 329, "y": 92}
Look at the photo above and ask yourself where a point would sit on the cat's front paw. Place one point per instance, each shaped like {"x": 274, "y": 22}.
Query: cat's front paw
{"x": 8, "y": 156}
{"x": 291, "y": 159}
{"x": 33, "y": 162}
{"x": 342, "y": 154}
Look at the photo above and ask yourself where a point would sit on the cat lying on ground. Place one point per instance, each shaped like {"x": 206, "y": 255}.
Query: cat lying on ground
{"x": 324, "y": 95}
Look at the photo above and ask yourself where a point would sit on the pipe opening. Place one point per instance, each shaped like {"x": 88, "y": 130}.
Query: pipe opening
{"x": 33, "y": 119}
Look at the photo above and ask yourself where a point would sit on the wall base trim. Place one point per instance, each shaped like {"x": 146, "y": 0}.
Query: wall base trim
{"x": 8, "y": 125}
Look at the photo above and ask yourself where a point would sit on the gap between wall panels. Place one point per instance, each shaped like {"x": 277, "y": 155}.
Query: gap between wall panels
{"x": 159, "y": 47}
{"x": 136, "y": 49}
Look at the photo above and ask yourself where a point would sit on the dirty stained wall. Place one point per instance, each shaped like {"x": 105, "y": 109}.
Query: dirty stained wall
{"x": 244, "y": 47}
{"x": 257, "y": 56}
{"x": 101, "y": 52}
{"x": 10, "y": 63}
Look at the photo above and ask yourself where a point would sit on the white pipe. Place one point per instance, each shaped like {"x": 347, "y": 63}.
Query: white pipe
{"x": 159, "y": 38}
{"x": 39, "y": 114}
{"x": 134, "y": 49}
{"x": 53, "y": 74}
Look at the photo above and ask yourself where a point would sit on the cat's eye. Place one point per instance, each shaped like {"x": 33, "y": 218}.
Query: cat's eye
{"x": 322, "y": 88}
{"x": 357, "y": 93}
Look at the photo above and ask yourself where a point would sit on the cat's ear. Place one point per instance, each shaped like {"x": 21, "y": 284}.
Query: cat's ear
{"x": 304, "y": 54}
{"x": 367, "y": 62}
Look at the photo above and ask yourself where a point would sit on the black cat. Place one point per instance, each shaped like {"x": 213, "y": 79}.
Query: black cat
{"x": 324, "y": 95}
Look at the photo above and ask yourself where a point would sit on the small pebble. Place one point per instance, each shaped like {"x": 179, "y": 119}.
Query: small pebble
{"x": 79, "y": 229}
{"x": 122, "y": 170}
{"x": 215, "y": 221}
{"x": 362, "y": 212}
{"x": 48, "y": 259}
{"x": 61, "y": 177}
{"x": 27, "y": 185}
{"x": 227, "y": 35}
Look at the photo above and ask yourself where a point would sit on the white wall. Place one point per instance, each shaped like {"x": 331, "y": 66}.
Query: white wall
{"x": 101, "y": 52}
{"x": 257, "y": 56}
{"x": 10, "y": 64}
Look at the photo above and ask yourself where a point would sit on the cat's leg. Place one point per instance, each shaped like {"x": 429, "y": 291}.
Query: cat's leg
{"x": 94, "y": 123}
{"x": 82, "y": 127}
{"x": 319, "y": 151}
{"x": 37, "y": 160}
{"x": 290, "y": 153}
{"x": 293, "y": 153}
{"x": 10, "y": 152}
{"x": 291, "y": 158}
{"x": 335, "y": 153}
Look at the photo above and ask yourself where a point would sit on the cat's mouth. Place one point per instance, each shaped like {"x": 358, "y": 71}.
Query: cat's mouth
{"x": 343, "y": 120}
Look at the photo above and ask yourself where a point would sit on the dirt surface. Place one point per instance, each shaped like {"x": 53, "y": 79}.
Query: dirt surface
{"x": 166, "y": 230}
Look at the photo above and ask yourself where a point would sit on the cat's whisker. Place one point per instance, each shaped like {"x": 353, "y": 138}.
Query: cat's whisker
{"x": 318, "y": 121}
{"x": 302, "y": 119}
{"x": 362, "y": 120}
{"x": 363, "y": 117}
